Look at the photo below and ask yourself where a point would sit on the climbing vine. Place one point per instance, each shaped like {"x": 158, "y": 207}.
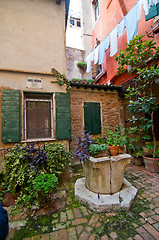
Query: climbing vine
{"x": 62, "y": 80}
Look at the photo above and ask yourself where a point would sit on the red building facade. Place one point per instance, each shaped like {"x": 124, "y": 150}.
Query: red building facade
{"x": 115, "y": 22}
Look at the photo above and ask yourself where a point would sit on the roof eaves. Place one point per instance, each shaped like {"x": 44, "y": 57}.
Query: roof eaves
{"x": 96, "y": 86}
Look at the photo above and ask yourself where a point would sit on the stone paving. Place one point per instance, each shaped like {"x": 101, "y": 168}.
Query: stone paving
{"x": 75, "y": 221}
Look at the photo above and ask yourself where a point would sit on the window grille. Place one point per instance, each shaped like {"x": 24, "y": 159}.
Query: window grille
{"x": 38, "y": 115}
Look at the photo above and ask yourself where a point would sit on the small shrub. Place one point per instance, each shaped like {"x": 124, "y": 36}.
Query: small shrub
{"x": 57, "y": 158}
{"x": 44, "y": 185}
{"x": 94, "y": 149}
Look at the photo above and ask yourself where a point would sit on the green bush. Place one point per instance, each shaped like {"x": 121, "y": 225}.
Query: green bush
{"x": 57, "y": 158}
{"x": 44, "y": 185}
{"x": 22, "y": 164}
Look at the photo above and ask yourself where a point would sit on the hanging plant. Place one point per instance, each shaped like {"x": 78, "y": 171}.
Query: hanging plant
{"x": 82, "y": 65}
{"x": 62, "y": 80}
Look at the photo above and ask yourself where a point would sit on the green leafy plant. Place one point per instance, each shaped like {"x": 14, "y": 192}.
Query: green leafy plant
{"x": 62, "y": 80}
{"x": 122, "y": 136}
{"x": 95, "y": 149}
{"x": 84, "y": 80}
{"x": 57, "y": 158}
{"x": 140, "y": 56}
{"x": 137, "y": 151}
{"x": 82, "y": 65}
{"x": 19, "y": 168}
{"x": 44, "y": 185}
{"x": 99, "y": 140}
{"x": 112, "y": 138}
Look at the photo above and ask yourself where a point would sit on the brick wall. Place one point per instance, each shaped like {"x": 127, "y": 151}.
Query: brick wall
{"x": 111, "y": 114}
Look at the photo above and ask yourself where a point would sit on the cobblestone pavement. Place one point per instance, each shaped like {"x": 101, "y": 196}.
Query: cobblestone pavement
{"x": 75, "y": 221}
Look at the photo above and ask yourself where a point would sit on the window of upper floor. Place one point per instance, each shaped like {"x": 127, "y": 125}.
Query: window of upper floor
{"x": 95, "y": 11}
{"x": 153, "y": 10}
{"x": 75, "y": 22}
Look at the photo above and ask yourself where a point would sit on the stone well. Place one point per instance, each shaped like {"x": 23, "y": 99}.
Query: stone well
{"x": 104, "y": 187}
{"x": 105, "y": 175}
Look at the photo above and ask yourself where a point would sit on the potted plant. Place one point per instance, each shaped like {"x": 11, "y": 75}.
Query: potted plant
{"x": 98, "y": 150}
{"x": 82, "y": 65}
{"x": 140, "y": 55}
{"x": 44, "y": 184}
{"x": 137, "y": 153}
{"x": 122, "y": 138}
{"x": 112, "y": 141}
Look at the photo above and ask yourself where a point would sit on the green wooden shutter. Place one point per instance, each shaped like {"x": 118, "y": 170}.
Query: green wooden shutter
{"x": 63, "y": 116}
{"x": 11, "y": 117}
{"x": 153, "y": 12}
{"x": 92, "y": 117}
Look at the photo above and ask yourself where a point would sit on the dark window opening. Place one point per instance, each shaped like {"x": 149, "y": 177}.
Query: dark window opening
{"x": 72, "y": 22}
{"x": 78, "y": 24}
{"x": 38, "y": 116}
{"x": 96, "y": 10}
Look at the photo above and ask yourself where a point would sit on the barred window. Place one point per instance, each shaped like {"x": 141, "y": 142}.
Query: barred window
{"x": 38, "y": 115}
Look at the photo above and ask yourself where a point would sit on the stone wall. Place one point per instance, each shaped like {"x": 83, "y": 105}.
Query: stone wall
{"x": 112, "y": 112}
{"x": 73, "y": 56}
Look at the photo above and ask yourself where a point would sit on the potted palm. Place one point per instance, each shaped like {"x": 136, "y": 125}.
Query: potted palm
{"x": 141, "y": 56}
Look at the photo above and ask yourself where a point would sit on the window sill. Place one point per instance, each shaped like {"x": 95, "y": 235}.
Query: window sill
{"x": 100, "y": 75}
{"x": 38, "y": 140}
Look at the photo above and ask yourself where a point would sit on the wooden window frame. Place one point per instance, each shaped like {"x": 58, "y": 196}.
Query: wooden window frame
{"x": 51, "y": 113}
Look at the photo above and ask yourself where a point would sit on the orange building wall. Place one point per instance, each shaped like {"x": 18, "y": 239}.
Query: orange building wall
{"x": 111, "y": 14}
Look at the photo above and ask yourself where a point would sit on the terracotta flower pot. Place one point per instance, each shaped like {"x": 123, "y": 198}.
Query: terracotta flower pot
{"x": 151, "y": 164}
{"x": 138, "y": 161}
{"x": 113, "y": 150}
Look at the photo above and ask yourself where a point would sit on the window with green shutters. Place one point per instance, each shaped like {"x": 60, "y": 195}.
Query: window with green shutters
{"x": 153, "y": 12}
{"x": 11, "y": 117}
{"x": 92, "y": 117}
{"x": 63, "y": 116}
{"x": 38, "y": 116}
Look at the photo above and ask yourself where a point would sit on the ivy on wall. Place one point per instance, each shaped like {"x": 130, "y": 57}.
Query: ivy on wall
{"x": 62, "y": 80}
